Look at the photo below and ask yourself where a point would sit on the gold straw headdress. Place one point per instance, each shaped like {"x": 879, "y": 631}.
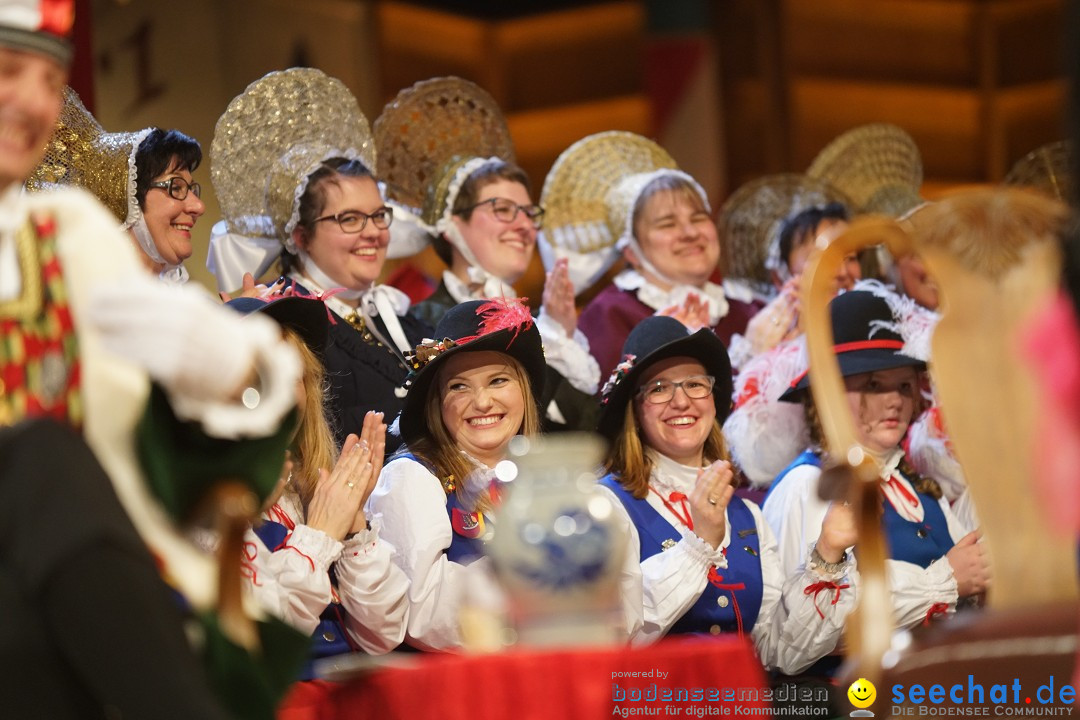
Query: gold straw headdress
{"x": 1047, "y": 169}
{"x": 267, "y": 143}
{"x": 878, "y": 166}
{"x": 431, "y": 137}
{"x": 589, "y": 197}
{"x": 753, "y": 217}
{"x": 81, "y": 153}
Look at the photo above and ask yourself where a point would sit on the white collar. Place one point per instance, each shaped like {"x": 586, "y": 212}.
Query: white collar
{"x": 487, "y": 286}
{"x": 659, "y": 299}
{"x": 898, "y": 490}
{"x": 383, "y": 301}
{"x": 669, "y": 476}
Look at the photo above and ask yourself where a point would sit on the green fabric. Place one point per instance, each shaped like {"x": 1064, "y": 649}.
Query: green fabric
{"x": 248, "y": 686}
{"x": 182, "y": 463}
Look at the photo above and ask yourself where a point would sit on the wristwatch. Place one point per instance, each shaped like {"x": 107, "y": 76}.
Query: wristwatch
{"x": 821, "y": 565}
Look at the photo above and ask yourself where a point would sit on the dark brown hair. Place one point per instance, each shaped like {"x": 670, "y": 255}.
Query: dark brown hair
{"x": 156, "y": 155}
{"x": 313, "y": 201}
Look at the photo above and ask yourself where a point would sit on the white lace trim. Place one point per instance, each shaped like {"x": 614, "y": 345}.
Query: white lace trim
{"x": 301, "y": 188}
{"x": 628, "y": 190}
{"x": 445, "y": 224}
{"x": 490, "y": 287}
{"x": 670, "y": 476}
{"x": 134, "y": 213}
{"x": 659, "y": 299}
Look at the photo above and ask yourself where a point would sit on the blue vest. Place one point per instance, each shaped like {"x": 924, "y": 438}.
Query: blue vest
{"x": 806, "y": 457}
{"x": 715, "y": 606}
{"x": 463, "y": 549}
{"x": 916, "y": 543}
{"x": 329, "y": 637}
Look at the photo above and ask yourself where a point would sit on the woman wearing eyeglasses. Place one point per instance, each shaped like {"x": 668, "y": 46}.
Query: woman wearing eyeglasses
{"x": 709, "y": 562}
{"x": 292, "y": 164}
{"x": 143, "y": 177}
{"x": 485, "y": 232}
{"x": 448, "y": 153}
{"x": 169, "y": 198}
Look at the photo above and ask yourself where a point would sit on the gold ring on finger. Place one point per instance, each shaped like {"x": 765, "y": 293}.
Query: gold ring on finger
{"x": 712, "y": 501}
{"x": 351, "y": 484}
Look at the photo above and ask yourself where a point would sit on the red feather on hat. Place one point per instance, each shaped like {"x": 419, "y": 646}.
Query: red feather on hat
{"x": 501, "y": 314}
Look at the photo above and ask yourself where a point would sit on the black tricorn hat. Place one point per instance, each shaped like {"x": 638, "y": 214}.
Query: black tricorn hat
{"x": 657, "y": 338}
{"x": 866, "y": 338}
{"x": 499, "y": 325}
{"x": 305, "y": 316}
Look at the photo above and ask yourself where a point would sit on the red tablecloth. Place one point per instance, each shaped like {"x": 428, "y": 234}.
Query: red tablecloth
{"x": 705, "y": 677}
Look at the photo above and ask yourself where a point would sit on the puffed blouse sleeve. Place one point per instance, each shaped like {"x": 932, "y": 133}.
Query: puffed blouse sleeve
{"x": 919, "y": 593}
{"x": 630, "y": 580}
{"x": 373, "y": 590}
{"x": 569, "y": 354}
{"x": 411, "y": 505}
{"x": 672, "y": 581}
{"x": 292, "y": 581}
{"x": 795, "y": 513}
{"x": 802, "y": 615}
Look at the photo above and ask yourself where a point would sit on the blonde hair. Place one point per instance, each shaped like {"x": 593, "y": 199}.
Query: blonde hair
{"x": 628, "y": 459}
{"x": 988, "y": 229}
{"x": 438, "y": 450}
{"x": 314, "y": 446}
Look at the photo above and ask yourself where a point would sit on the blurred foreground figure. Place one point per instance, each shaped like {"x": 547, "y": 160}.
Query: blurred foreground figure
{"x": 171, "y": 394}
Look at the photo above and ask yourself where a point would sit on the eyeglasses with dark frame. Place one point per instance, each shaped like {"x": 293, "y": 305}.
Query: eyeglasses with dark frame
{"x": 507, "y": 210}
{"x": 696, "y": 387}
{"x": 178, "y": 187}
{"x": 354, "y": 221}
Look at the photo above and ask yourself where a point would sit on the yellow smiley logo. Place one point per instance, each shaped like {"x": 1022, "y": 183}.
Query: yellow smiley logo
{"x": 862, "y": 693}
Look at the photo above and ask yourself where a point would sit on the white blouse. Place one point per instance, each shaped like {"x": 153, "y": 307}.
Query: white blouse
{"x": 293, "y": 582}
{"x": 794, "y": 511}
{"x": 412, "y": 505}
{"x": 793, "y": 628}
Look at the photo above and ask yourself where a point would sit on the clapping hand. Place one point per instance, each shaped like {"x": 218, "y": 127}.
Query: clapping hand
{"x": 337, "y": 504}
{"x": 693, "y": 313}
{"x": 970, "y": 566}
{"x": 558, "y": 297}
{"x": 250, "y": 289}
{"x": 838, "y": 532}
{"x": 709, "y": 500}
{"x": 776, "y": 322}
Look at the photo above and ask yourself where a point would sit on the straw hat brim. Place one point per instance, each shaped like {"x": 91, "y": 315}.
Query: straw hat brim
{"x": 428, "y": 124}
{"x": 279, "y": 112}
{"x": 878, "y": 166}
{"x": 753, "y": 216}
